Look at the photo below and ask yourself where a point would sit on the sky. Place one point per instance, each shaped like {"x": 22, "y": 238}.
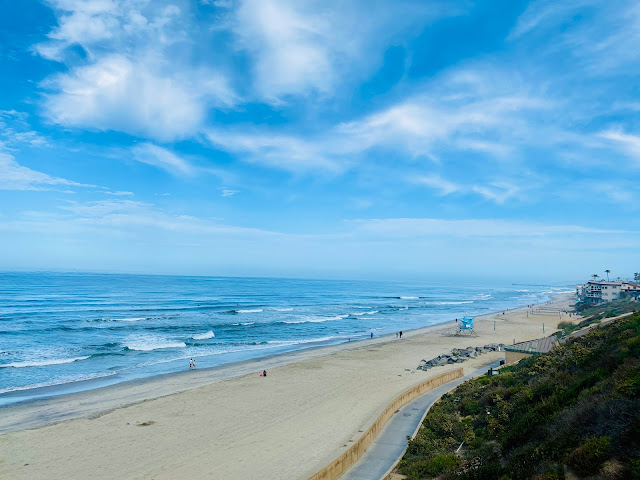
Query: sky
{"x": 325, "y": 139}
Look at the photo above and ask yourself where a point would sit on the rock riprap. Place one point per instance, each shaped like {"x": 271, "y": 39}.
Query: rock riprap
{"x": 459, "y": 355}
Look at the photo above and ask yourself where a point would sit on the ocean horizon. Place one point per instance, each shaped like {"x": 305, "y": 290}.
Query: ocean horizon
{"x": 78, "y": 331}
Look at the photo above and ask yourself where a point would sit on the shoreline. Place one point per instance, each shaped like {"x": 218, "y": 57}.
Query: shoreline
{"x": 157, "y": 386}
{"x": 98, "y": 373}
{"x": 313, "y": 404}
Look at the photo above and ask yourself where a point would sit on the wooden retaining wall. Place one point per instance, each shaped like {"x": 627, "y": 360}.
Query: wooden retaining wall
{"x": 351, "y": 456}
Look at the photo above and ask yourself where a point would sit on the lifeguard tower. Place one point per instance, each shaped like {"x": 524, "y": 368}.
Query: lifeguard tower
{"x": 465, "y": 327}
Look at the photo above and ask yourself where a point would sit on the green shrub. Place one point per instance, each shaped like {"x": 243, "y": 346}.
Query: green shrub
{"x": 573, "y": 407}
{"x": 434, "y": 466}
{"x": 587, "y": 459}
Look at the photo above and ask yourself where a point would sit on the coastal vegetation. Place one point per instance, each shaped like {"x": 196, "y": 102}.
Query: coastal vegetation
{"x": 571, "y": 413}
{"x": 596, "y": 313}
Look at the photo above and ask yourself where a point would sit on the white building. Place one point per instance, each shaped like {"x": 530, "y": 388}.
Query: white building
{"x": 599, "y": 291}
{"x": 632, "y": 288}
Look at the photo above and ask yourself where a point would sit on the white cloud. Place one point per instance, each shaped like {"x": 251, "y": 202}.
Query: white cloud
{"x": 444, "y": 187}
{"x": 14, "y": 176}
{"x": 286, "y": 152}
{"x": 228, "y": 193}
{"x": 420, "y": 227}
{"x": 543, "y": 14}
{"x": 132, "y": 78}
{"x": 603, "y": 35}
{"x": 465, "y": 110}
{"x": 15, "y": 131}
{"x": 486, "y": 113}
{"x": 101, "y": 208}
{"x": 116, "y": 93}
{"x": 496, "y": 191}
{"x": 300, "y": 48}
{"x": 122, "y": 215}
{"x": 290, "y": 49}
{"x": 99, "y": 26}
{"x": 162, "y": 158}
{"x": 120, "y": 193}
{"x": 629, "y": 144}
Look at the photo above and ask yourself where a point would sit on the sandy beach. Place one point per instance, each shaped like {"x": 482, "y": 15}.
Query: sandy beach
{"x": 229, "y": 422}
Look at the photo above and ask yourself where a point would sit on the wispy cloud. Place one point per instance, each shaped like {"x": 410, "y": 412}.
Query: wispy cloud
{"x": 544, "y": 14}
{"x": 138, "y": 90}
{"x": 162, "y": 158}
{"x": 442, "y": 186}
{"x": 292, "y": 153}
{"x": 120, "y": 215}
{"x": 116, "y": 93}
{"x": 485, "y": 113}
{"x": 15, "y": 131}
{"x": 14, "y": 176}
{"x": 497, "y": 192}
{"x": 421, "y": 227}
{"x": 603, "y": 36}
{"x": 227, "y": 192}
{"x": 302, "y": 48}
{"x": 120, "y": 193}
{"x": 629, "y": 144}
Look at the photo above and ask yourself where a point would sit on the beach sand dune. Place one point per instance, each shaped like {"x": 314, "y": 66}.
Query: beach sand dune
{"x": 231, "y": 423}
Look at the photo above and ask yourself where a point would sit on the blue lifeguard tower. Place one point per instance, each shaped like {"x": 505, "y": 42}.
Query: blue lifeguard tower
{"x": 465, "y": 327}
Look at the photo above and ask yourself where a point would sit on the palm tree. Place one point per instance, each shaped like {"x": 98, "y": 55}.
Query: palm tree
{"x": 636, "y": 277}
{"x": 595, "y": 275}
{"x": 607, "y": 272}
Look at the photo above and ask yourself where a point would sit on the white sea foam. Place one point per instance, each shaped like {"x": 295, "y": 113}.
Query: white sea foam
{"x": 54, "y": 383}
{"x": 43, "y": 363}
{"x": 251, "y": 310}
{"x": 132, "y": 319}
{"x": 409, "y": 298}
{"x": 449, "y": 303}
{"x": 404, "y": 308}
{"x": 148, "y": 344}
{"x": 372, "y": 312}
{"x": 282, "y": 309}
{"x": 297, "y": 342}
{"x": 483, "y": 296}
{"x": 204, "y": 336}
{"x": 316, "y": 319}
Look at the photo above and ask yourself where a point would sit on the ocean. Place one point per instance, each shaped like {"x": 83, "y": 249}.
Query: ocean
{"x": 80, "y": 331}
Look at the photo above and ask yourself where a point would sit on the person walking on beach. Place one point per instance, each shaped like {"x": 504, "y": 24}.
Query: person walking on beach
{"x": 190, "y": 363}
{"x": 400, "y": 333}
{"x": 371, "y": 334}
{"x": 194, "y": 364}
{"x": 264, "y": 373}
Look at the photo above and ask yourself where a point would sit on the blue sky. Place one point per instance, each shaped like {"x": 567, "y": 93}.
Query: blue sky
{"x": 362, "y": 139}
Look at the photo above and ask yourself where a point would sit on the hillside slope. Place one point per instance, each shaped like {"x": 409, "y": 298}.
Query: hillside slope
{"x": 572, "y": 413}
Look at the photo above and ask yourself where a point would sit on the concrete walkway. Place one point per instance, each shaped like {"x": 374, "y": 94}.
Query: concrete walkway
{"x": 392, "y": 441}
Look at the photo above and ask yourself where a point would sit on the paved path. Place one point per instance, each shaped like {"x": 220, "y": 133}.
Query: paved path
{"x": 392, "y": 441}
